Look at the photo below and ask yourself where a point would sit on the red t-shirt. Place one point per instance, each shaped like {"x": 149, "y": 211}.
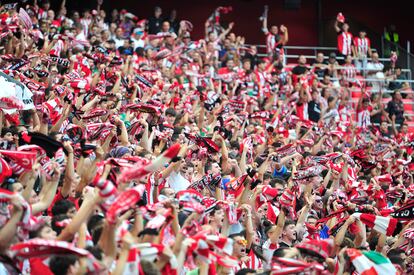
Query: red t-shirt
{"x": 37, "y": 266}
{"x": 59, "y": 197}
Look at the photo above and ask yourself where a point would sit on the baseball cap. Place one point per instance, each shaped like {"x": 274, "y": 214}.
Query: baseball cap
{"x": 138, "y": 31}
{"x": 332, "y": 55}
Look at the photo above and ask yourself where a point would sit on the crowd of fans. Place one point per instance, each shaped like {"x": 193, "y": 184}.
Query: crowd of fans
{"x": 127, "y": 147}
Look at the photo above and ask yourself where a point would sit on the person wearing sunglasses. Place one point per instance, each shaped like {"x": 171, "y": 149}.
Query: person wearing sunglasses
{"x": 317, "y": 207}
{"x": 240, "y": 249}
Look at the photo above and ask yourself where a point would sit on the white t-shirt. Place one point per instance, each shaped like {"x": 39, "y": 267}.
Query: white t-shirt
{"x": 138, "y": 43}
{"x": 177, "y": 182}
{"x": 119, "y": 42}
{"x": 374, "y": 67}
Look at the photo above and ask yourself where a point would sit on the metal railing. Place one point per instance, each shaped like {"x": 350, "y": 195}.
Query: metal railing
{"x": 315, "y": 50}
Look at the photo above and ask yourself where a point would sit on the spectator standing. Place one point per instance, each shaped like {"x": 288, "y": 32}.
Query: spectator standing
{"x": 395, "y": 109}
{"x": 314, "y": 107}
{"x": 375, "y": 71}
{"x": 119, "y": 38}
{"x": 344, "y": 39}
{"x": 392, "y": 39}
{"x": 361, "y": 51}
{"x": 275, "y": 40}
{"x": 155, "y": 21}
{"x": 378, "y": 112}
{"x": 174, "y": 22}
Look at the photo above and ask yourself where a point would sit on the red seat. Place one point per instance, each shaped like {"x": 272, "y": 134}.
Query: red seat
{"x": 408, "y": 104}
{"x": 356, "y": 93}
{"x": 410, "y": 126}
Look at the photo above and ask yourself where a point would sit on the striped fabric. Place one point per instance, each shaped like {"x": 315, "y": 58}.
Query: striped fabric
{"x": 383, "y": 225}
{"x": 370, "y": 262}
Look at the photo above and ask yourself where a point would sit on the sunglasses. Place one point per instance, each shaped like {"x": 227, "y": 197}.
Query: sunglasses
{"x": 242, "y": 242}
{"x": 318, "y": 201}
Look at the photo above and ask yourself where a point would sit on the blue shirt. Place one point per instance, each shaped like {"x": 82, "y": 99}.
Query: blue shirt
{"x": 279, "y": 173}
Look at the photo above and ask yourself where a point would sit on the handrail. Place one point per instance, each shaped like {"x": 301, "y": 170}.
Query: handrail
{"x": 343, "y": 67}
{"x": 301, "y": 47}
{"x": 327, "y": 57}
{"x": 371, "y": 80}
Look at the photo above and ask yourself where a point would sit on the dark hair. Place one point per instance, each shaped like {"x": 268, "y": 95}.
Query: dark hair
{"x": 277, "y": 180}
{"x": 36, "y": 233}
{"x": 26, "y": 115}
{"x": 171, "y": 112}
{"x": 267, "y": 226}
{"x": 62, "y": 207}
{"x": 324, "y": 90}
{"x": 60, "y": 264}
{"x": 148, "y": 231}
{"x": 11, "y": 130}
{"x": 373, "y": 242}
{"x": 94, "y": 221}
{"x": 394, "y": 94}
{"x": 96, "y": 251}
{"x": 395, "y": 256}
{"x": 96, "y": 234}
{"x": 95, "y": 226}
{"x": 140, "y": 51}
{"x": 58, "y": 218}
{"x": 216, "y": 208}
{"x": 288, "y": 222}
{"x": 245, "y": 271}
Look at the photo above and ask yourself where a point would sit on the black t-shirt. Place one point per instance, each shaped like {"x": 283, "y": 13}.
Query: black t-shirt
{"x": 397, "y": 109}
{"x": 154, "y": 25}
{"x": 283, "y": 244}
{"x": 386, "y": 134}
{"x": 314, "y": 111}
{"x": 299, "y": 69}
{"x": 377, "y": 118}
{"x": 320, "y": 72}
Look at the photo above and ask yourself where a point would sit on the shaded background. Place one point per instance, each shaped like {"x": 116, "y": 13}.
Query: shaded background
{"x": 310, "y": 23}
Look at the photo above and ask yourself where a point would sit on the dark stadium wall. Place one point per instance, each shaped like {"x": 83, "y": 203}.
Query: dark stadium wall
{"x": 302, "y": 23}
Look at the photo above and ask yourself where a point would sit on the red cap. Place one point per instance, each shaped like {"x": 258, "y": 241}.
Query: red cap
{"x": 340, "y": 17}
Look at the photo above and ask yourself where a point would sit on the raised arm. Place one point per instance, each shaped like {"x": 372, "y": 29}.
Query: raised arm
{"x": 264, "y": 26}
{"x": 47, "y": 193}
{"x": 8, "y": 231}
{"x": 225, "y": 32}
{"x": 69, "y": 171}
{"x": 87, "y": 208}
{"x": 339, "y": 238}
{"x": 336, "y": 26}
{"x": 285, "y": 36}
